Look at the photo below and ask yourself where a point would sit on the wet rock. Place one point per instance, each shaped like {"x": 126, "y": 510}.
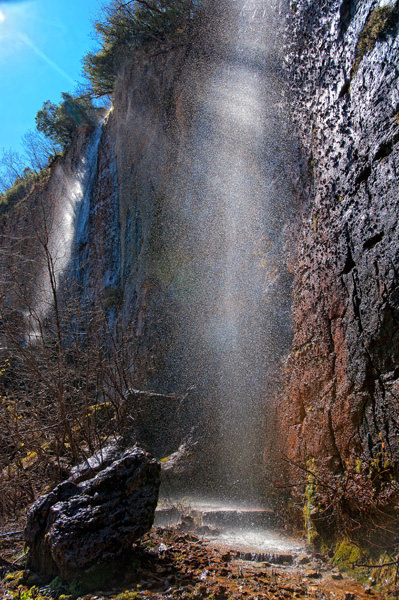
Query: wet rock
{"x": 277, "y": 559}
{"x": 312, "y": 574}
{"x": 181, "y": 463}
{"x": 303, "y": 559}
{"x": 95, "y": 463}
{"x": 79, "y": 528}
{"x": 336, "y": 574}
{"x": 187, "y": 524}
{"x": 340, "y": 400}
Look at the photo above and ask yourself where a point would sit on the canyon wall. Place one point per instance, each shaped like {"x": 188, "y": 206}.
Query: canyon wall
{"x": 339, "y": 410}
{"x": 331, "y": 398}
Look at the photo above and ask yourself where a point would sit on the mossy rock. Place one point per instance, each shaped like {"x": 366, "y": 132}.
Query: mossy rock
{"x": 347, "y": 555}
{"x": 381, "y": 21}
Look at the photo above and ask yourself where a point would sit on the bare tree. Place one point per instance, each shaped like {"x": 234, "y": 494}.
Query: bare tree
{"x": 38, "y": 149}
{"x": 12, "y": 167}
{"x": 63, "y": 375}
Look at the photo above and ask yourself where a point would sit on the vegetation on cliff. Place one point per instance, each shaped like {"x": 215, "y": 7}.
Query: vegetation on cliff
{"x": 19, "y": 189}
{"x": 381, "y": 21}
{"x": 60, "y": 122}
{"x": 122, "y": 27}
{"x": 125, "y": 26}
{"x": 56, "y": 126}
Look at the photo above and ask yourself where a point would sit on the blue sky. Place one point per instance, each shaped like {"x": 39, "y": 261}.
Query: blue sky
{"x": 42, "y": 43}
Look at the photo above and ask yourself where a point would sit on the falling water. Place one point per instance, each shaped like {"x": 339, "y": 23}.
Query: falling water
{"x": 63, "y": 224}
{"x": 237, "y": 324}
{"x": 228, "y": 206}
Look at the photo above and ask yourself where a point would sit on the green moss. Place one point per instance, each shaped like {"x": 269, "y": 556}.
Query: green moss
{"x": 128, "y": 595}
{"x": 347, "y": 555}
{"x": 32, "y": 593}
{"x": 56, "y": 584}
{"x": 14, "y": 579}
{"x": 310, "y": 505}
{"x": 379, "y": 23}
{"x": 354, "y": 559}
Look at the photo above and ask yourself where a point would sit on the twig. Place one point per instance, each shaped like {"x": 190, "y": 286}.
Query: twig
{"x": 389, "y": 564}
{"x": 8, "y": 565}
{"x": 10, "y": 533}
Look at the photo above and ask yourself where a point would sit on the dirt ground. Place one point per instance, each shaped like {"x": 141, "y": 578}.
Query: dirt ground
{"x": 169, "y": 564}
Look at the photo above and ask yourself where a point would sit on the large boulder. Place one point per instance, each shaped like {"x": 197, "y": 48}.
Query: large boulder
{"x": 81, "y": 527}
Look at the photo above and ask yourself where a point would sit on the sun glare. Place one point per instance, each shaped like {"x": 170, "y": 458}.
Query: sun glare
{"x": 14, "y": 19}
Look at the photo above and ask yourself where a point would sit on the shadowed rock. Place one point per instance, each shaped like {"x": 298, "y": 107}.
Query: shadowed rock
{"x": 155, "y": 420}
{"x": 79, "y": 528}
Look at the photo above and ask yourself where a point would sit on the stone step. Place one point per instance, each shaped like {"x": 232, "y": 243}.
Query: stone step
{"x": 262, "y": 559}
{"x": 245, "y": 518}
{"x": 247, "y": 533}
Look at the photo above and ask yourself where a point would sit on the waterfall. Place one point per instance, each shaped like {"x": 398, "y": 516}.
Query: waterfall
{"x": 64, "y": 226}
{"x": 236, "y": 317}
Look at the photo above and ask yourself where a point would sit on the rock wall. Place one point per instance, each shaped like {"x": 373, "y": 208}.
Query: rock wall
{"x": 32, "y": 227}
{"x": 189, "y": 160}
{"x": 339, "y": 411}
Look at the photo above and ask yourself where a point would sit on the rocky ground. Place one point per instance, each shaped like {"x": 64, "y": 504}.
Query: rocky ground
{"x": 171, "y": 564}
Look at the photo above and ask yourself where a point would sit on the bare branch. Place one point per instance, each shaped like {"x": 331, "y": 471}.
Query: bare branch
{"x": 142, "y": 3}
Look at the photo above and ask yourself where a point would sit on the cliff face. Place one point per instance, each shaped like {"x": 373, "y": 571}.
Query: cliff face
{"x": 148, "y": 245}
{"x": 41, "y": 222}
{"x": 202, "y": 288}
{"x": 341, "y": 400}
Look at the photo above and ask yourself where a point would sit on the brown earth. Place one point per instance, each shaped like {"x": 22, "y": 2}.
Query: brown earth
{"x": 173, "y": 565}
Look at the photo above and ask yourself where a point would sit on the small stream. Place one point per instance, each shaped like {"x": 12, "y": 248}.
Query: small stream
{"x": 248, "y": 531}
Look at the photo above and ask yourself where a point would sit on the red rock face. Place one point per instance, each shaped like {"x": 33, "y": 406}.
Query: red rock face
{"x": 339, "y": 405}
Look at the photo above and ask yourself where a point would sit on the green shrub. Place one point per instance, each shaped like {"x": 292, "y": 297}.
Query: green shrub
{"x": 59, "y": 122}
{"x": 129, "y": 25}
